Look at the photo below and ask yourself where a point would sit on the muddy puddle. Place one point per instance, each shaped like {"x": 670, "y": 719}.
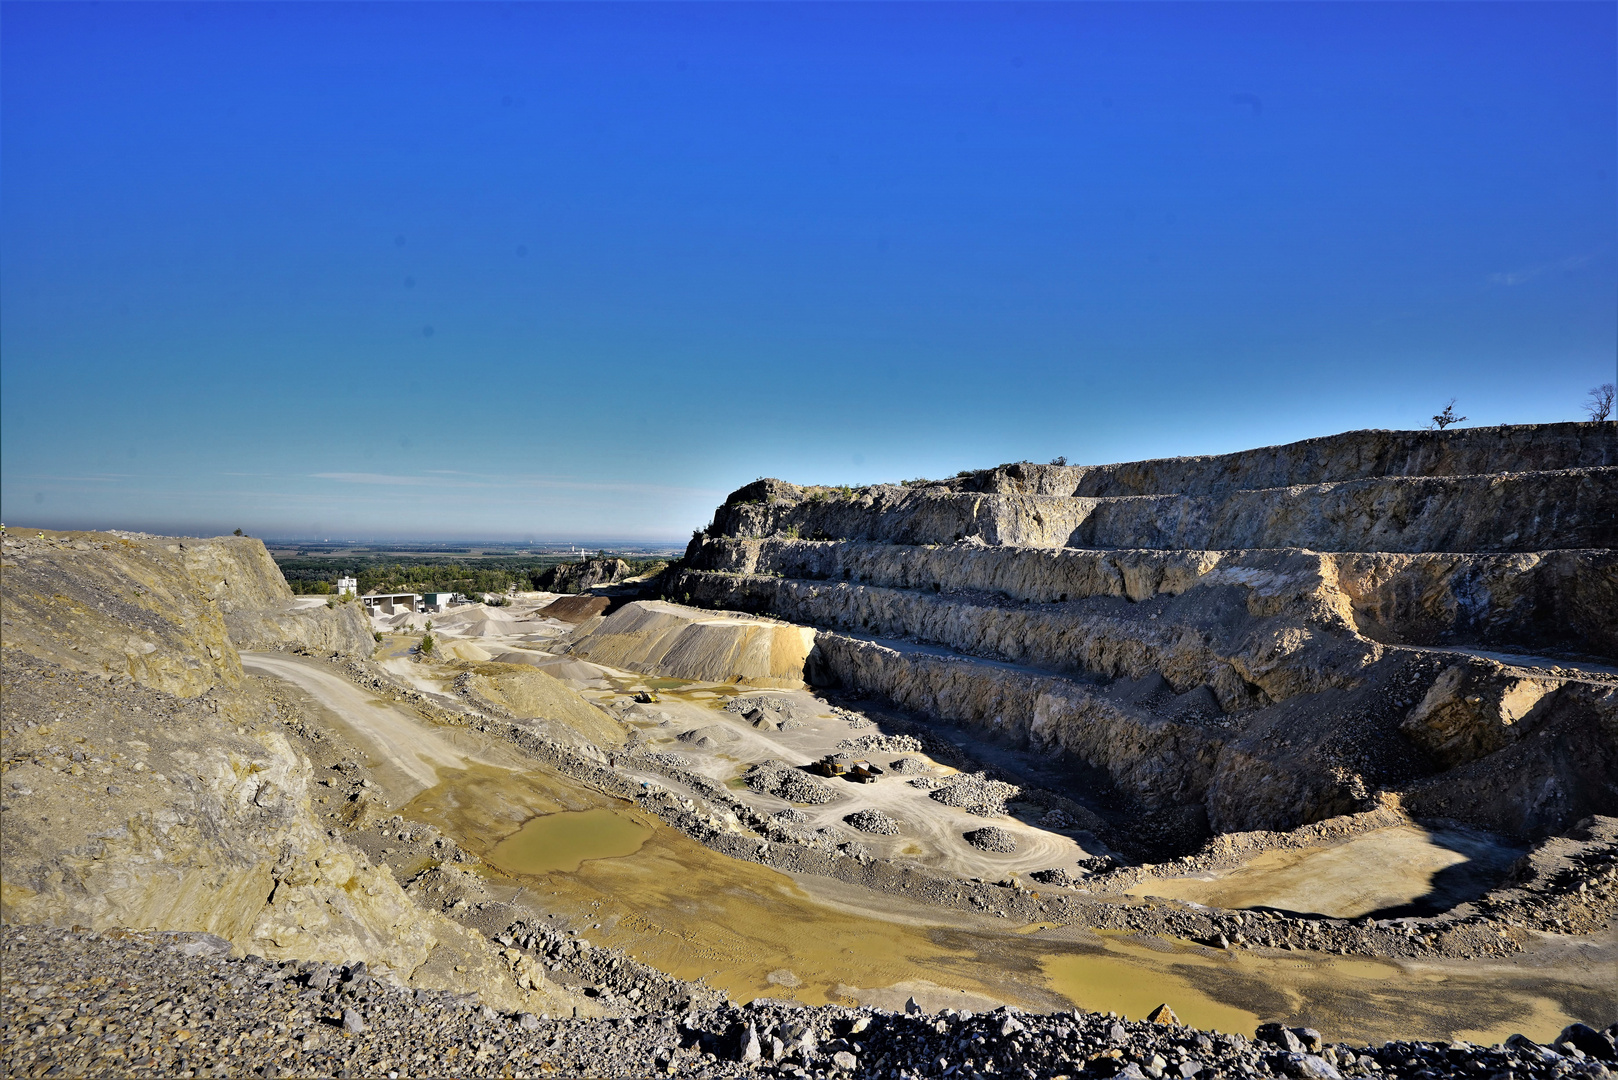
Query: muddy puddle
{"x": 566, "y": 840}
{"x": 1403, "y": 870}
{"x": 755, "y": 932}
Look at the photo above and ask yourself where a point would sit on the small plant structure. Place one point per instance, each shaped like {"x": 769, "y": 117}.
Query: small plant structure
{"x": 429, "y": 626}
{"x": 1060, "y": 459}
{"x": 238, "y": 532}
{"x": 427, "y": 645}
{"x": 1599, "y": 405}
{"x": 1447, "y": 417}
{"x": 377, "y": 634}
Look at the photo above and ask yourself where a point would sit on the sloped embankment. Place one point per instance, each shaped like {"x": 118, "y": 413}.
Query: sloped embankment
{"x": 659, "y": 638}
{"x": 1258, "y": 640}
{"x": 149, "y": 784}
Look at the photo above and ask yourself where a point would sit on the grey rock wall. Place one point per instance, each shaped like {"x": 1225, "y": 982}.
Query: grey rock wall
{"x": 1250, "y": 634}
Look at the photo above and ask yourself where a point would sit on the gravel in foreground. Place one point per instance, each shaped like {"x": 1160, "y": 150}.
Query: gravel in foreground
{"x": 173, "y": 1004}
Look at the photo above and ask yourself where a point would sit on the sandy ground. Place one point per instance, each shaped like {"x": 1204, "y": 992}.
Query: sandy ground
{"x": 1379, "y": 871}
{"x": 754, "y": 931}
{"x": 930, "y": 832}
{"x": 398, "y": 741}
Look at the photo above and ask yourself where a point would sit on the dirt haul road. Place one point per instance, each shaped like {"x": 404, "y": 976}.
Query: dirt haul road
{"x": 405, "y": 746}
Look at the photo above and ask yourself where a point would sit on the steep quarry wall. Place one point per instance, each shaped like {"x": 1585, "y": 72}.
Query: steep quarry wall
{"x": 238, "y": 576}
{"x": 1264, "y": 638}
{"x": 148, "y": 783}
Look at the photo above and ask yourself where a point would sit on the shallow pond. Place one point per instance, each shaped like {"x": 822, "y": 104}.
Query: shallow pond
{"x": 756, "y": 932}
{"x": 566, "y": 840}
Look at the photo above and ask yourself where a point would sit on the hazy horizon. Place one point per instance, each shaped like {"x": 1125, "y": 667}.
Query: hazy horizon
{"x": 446, "y": 270}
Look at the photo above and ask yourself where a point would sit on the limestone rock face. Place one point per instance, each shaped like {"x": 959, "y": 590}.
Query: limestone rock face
{"x": 1474, "y": 709}
{"x": 149, "y": 784}
{"x": 580, "y": 576}
{"x": 107, "y": 605}
{"x": 1265, "y": 638}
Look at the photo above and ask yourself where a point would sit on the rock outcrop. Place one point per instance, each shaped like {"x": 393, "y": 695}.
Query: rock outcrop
{"x": 148, "y": 783}
{"x": 1258, "y": 640}
{"x": 582, "y": 576}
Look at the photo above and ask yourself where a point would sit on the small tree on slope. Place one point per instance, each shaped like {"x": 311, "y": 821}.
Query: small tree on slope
{"x": 1599, "y": 406}
{"x": 1447, "y": 417}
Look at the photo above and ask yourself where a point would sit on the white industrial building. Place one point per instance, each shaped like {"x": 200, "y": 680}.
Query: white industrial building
{"x": 392, "y": 603}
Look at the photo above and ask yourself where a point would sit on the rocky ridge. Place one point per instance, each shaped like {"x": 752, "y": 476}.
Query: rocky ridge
{"x": 1248, "y": 641}
{"x": 149, "y": 783}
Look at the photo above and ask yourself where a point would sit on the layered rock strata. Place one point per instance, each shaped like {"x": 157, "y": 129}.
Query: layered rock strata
{"x": 1263, "y": 638}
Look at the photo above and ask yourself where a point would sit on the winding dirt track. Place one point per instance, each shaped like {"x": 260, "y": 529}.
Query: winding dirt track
{"x": 392, "y": 735}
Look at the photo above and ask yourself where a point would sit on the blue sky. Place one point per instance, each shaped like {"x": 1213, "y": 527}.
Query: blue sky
{"x": 576, "y": 271}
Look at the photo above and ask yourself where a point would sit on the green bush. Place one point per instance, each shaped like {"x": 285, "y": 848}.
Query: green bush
{"x": 427, "y": 644}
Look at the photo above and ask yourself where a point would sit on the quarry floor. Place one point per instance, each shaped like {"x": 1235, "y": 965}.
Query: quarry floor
{"x": 632, "y": 882}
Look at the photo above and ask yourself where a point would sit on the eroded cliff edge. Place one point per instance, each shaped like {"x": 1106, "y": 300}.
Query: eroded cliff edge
{"x": 1248, "y": 641}
{"x": 149, "y": 783}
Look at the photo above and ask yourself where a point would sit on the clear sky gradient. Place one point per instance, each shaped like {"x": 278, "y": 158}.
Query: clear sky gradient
{"x": 507, "y": 270}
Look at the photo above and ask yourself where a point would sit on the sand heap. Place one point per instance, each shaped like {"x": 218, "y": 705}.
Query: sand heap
{"x": 1242, "y": 641}
{"x": 660, "y": 638}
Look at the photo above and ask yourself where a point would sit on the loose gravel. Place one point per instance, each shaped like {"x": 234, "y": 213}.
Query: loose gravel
{"x": 976, "y": 794}
{"x": 873, "y": 821}
{"x": 992, "y": 839}
{"x": 175, "y": 1005}
{"x": 883, "y": 744}
{"x": 787, "y": 782}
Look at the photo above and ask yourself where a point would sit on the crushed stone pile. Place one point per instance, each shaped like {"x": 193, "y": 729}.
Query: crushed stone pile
{"x": 1054, "y": 876}
{"x": 785, "y": 782}
{"x": 769, "y": 712}
{"x": 873, "y": 821}
{"x": 992, "y": 839}
{"x": 708, "y": 737}
{"x": 886, "y": 744}
{"x": 927, "y": 783}
{"x": 910, "y": 766}
{"x": 667, "y": 759}
{"x": 854, "y": 719}
{"x": 975, "y": 793}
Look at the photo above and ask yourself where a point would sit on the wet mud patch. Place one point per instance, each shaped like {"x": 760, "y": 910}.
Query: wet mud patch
{"x": 1349, "y": 999}
{"x": 694, "y": 913}
{"x": 566, "y": 840}
{"x": 1384, "y": 873}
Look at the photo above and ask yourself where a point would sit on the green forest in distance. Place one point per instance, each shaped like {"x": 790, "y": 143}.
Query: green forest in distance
{"x": 312, "y": 569}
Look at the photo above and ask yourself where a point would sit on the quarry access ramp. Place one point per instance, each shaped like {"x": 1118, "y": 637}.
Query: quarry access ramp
{"x": 1250, "y": 640}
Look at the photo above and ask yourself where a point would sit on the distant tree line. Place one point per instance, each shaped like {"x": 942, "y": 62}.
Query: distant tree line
{"x": 318, "y": 577}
